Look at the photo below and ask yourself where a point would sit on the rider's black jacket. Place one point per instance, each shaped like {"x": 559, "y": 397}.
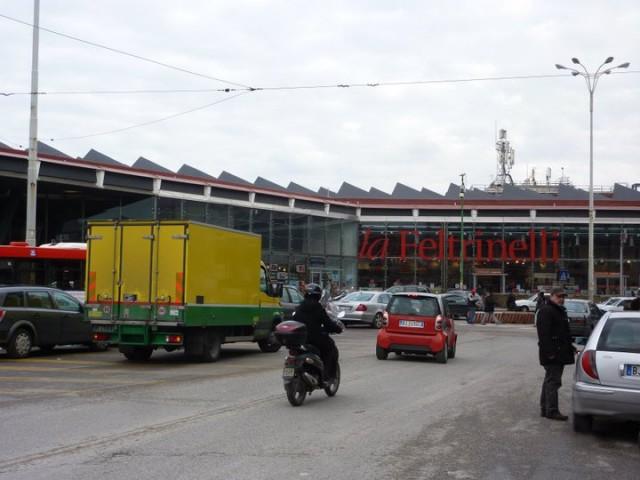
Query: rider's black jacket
{"x": 314, "y": 316}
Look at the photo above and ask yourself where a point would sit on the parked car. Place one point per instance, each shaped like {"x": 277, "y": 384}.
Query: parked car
{"x": 583, "y": 316}
{"x": 363, "y": 307}
{"x": 529, "y": 304}
{"x": 457, "y": 304}
{"x": 417, "y": 323}
{"x": 607, "y": 375}
{"x": 291, "y": 298}
{"x": 616, "y": 304}
{"x": 407, "y": 288}
{"x": 43, "y": 317}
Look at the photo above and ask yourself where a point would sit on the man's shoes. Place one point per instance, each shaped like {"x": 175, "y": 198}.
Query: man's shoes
{"x": 557, "y": 416}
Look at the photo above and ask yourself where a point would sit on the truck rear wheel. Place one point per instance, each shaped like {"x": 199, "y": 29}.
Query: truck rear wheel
{"x": 211, "y": 348}
{"x": 136, "y": 354}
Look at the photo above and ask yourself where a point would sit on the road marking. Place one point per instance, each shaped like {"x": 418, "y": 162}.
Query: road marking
{"x": 63, "y": 361}
{"x": 111, "y": 381}
{"x": 38, "y": 391}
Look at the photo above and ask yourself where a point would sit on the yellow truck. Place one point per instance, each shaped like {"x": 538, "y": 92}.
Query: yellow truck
{"x": 178, "y": 284}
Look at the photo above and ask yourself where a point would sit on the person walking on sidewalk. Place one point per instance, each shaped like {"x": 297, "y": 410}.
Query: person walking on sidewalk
{"x": 555, "y": 351}
{"x": 473, "y": 300}
{"x": 489, "y": 309}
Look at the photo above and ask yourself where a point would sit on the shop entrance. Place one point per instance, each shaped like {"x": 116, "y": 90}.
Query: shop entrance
{"x": 489, "y": 279}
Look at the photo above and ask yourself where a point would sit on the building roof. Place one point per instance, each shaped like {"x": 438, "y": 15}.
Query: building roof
{"x": 48, "y": 150}
{"x": 351, "y": 191}
{"x": 295, "y": 188}
{"x": 620, "y": 192}
{"x": 264, "y": 183}
{"x": 325, "y": 192}
{"x": 228, "y": 177}
{"x": 145, "y": 164}
{"x": 511, "y": 192}
{"x": 95, "y": 156}
{"x": 378, "y": 193}
{"x": 190, "y": 171}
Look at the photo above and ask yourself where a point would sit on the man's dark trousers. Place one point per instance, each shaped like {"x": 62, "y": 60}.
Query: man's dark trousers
{"x": 549, "y": 395}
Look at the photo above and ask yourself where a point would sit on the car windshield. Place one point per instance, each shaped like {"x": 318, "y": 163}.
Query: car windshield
{"x": 358, "y": 297}
{"x": 405, "y": 305}
{"x": 620, "y": 335}
{"x": 611, "y": 301}
{"x": 575, "y": 307}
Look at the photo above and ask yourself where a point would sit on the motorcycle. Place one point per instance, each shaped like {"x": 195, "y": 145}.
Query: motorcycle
{"x": 303, "y": 370}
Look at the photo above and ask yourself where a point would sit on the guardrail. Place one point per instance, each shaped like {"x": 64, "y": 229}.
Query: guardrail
{"x": 526, "y": 318}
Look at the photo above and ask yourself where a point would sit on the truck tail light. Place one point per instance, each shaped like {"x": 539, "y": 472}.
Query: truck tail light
{"x": 438, "y": 324}
{"x": 385, "y": 319}
{"x": 361, "y": 308}
{"x": 100, "y": 337}
{"x": 175, "y": 339}
{"x": 588, "y": 363}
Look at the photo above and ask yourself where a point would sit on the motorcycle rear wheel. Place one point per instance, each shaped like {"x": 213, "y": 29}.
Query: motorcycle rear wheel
{"x": 332, "y": 389}
{"x": 296, "y": 392}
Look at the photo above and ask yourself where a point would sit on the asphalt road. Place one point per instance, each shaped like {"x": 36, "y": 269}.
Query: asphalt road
{"x": 79, "y": 415}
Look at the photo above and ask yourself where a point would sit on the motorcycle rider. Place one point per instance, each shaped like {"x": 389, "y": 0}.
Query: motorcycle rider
{"x": 319, "y": 325}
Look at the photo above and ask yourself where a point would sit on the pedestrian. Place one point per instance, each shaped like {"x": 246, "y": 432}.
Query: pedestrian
{"x": 555, "y": 351}
{"x": 489, "y": 309}
{"x": 540, "y": 301}
{"x": 473, "y": 302}
{"x": 511, "y": 302}
{"x": 635, "y": 303}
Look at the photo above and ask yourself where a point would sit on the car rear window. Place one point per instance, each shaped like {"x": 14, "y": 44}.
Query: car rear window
{"x": 405, "y": 305}
{"x": 358, "y": 297}
{"x": 575, "y": 307}
{"x": 620, "y": 335}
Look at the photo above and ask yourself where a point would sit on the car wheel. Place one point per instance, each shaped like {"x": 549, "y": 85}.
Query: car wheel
{"x": 137, "y": 354}
{"x": 20, "y": 344}
{"x": 443, "y": 355}
{"x": 452, "y": 351}
{"x": 582, "y": 423}
{"x": 381, "y": 353}
{"x": 524, "y": 309}
{"x": 377, "y": 321}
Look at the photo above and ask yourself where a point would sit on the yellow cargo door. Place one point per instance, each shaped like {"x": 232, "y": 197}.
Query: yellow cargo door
{"x": 102, "y": 270}
{"x": 169, "y": 280}
{"x": 136, "y": 271}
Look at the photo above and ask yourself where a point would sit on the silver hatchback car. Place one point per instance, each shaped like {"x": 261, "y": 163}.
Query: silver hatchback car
{"x": 607, "y": 377}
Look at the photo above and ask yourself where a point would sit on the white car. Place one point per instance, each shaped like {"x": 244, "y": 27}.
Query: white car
{"x": 529, "y": 304}
{"x": 607, "y": 375}
{"x": 615, "y": 304}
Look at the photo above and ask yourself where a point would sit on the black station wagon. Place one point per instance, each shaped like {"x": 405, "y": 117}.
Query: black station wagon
{"x": 40, "y": 316}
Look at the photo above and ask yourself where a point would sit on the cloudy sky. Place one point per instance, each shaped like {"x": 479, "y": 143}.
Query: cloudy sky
{"x": 420, "y": 135}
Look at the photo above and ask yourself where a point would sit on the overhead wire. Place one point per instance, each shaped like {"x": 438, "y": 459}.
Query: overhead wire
{"x": 129, "y": 54}
{"x": 151, "y": 122}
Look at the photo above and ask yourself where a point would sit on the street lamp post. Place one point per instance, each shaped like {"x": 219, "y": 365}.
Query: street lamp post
{"x": 592, "y": 82}
{"x": 462, "y": 231}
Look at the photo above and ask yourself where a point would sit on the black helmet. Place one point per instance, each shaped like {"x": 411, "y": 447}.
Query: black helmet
{"x": 314, "y": 291}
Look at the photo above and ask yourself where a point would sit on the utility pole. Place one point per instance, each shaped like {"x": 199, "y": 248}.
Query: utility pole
{"x": 462, "y": 189}
{"x": 34, "y": 165}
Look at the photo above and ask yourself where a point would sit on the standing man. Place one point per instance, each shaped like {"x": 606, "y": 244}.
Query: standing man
{"x": 555, "y": 350}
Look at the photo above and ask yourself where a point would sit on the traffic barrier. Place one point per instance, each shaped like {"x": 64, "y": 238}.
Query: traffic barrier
{"x": 526, "y": 318}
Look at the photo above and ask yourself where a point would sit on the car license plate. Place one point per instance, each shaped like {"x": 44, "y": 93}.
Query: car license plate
{"x": 287, "y": 372}
{"x": 632, "y": 370}
{"x": 411, "y": 324}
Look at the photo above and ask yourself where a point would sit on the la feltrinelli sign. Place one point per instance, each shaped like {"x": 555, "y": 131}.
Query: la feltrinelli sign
{"x": 536, "y": 246}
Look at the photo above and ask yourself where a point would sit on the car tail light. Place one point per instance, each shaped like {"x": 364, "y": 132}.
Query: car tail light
{"x": 173, "y": 339}
{"x": 385, "y": 319}
{"x": 100, "y": 337}
{"x": 2, "y": 314}
{"x": 439, "y": 321}
{"x": 361, "y": 308}
{"x": 588, "y": 363}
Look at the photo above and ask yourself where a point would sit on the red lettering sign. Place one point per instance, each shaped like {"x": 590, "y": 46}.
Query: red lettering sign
{"x": 533, "y": 247}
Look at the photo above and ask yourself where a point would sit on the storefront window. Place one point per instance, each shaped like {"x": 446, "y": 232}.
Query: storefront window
{"x": 280, "y": 229}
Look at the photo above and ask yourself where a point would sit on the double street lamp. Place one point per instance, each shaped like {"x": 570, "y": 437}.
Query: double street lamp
{"x": 592, "y": 82}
